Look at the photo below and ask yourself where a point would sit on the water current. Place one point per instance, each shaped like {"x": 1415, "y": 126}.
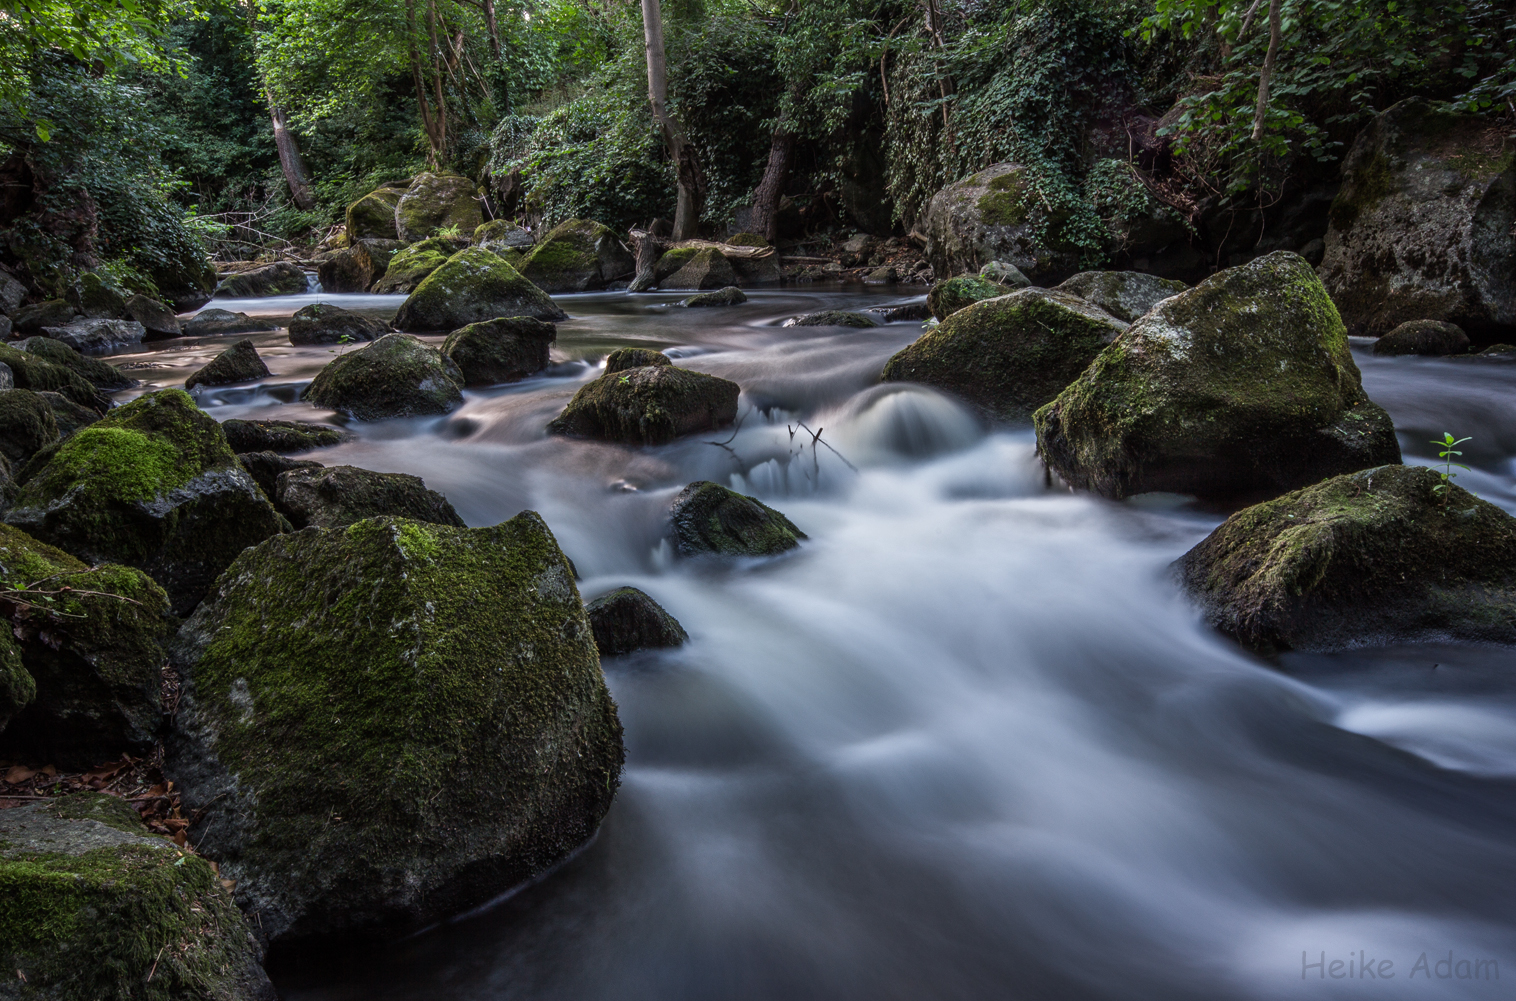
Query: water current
{"x": 968, "y": 742}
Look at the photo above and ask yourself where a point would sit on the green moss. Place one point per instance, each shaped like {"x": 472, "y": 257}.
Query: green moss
{"x": 39, "y": 375}
{"x": 437, "y": 202}
{"x": 949, "y": 295}
{"x": 652, "y": 405}
{"x": 410, "y": 266}
{"x": 501, "y": 350}
{"x": 473, "y": 286}
{"x": 672, "y": 260}
{"x": 27, "y": 424}
{"x": 1004, "y": 201}
{"x": 373, "y": 215}
{"x": 625, "y": 358}
{"x": 102, "y": 374}
{"x": 746, "y": 240}
{"x": 108, "y": 810}
{"x": 708, "y": 518}
{"x": 17, "y": 688}
{"x": 396, "y": 376}
{"x": 126, "y": 465}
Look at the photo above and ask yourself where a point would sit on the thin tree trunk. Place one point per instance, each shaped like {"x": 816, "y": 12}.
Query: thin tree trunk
{"x": 1262, "y": 110}
{"x": 494, "y": 29}
{"x": 290, "y": 161}
{"x": 687, "y": 168}
{"x": 435, "y": 126}
{"x": 765, "y": 219}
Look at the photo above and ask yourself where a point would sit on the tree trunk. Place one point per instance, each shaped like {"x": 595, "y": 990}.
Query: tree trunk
{"x": 497, "y": 72}
{"x": 687, "y": 167}
{"x": 1262, "y": 109}
{"x": 765, "y": 219}
{"x": 290, "y": 161}
{"x": 435, "y": 126}
{"x": 648, "y": 252}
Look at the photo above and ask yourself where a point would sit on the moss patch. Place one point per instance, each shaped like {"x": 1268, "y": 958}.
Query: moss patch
{"x": 949, "y": 295}
{"x": 707, "y": 518}
{"x": 1004, "y": 201}
{"x": 473, "y": 286}
{"x": 651, "y": 405}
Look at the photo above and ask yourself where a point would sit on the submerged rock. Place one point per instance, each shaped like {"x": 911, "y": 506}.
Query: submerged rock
{"x": 410, "y": 266}
{"x": 578, "y": 255}
{"x": 96, "y": 907}
{"x": 627, "y": 620}
{"x": 396, "y": 376}
{"x": 282, "y": 278}
{"x": 1423, "y": 337}
{"x": 238, "y": 363}
{"x": 708, "y": 518}
{"x": 473, "y": 286}
{"x": 651, "y": 405}
{"x": 216, "y": 322}
{"x": 501, "y": 350}
{"x": 98, "y": 336}
{"x": 95, "y": 654}
{"x": 323, "y": 323}
{"x": 265, "y": 467}
{"x": 1126, "y": 295}
{"x": 436, "y": 202}
{"x": 833, "y": 318}
{"x": 994, "y": 215}
{"x": 729, "y": 296}
{"x": 1239, "y": 388}
{"x": 281, "y": 436}
{"x": 390, "y": 723}
{"x": 151, "y": 485}
{"x": 1372, "y": 557}
{"x": 1010, "y": 354}
{"x": 157, "y": 319}
{"x": 707, "y": 268}
{"x": 336, "y": 496}
{"x": 102, "y": 374}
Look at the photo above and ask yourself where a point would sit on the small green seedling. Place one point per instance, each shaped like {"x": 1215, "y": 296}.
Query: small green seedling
{"x": 1448, "y": 446}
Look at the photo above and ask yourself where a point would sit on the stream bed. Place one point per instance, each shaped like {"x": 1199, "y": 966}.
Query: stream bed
{"x": 968, "y": 742}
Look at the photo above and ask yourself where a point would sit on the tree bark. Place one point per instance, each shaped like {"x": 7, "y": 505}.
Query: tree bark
{"x": 765, "y": 219}
{"x": 290, "y": 161}
{"x": 687, "y": 168}
{"x": 434, "y": 125}
{"x": 1262, "y": 110}
{"x": 648, "y": 252}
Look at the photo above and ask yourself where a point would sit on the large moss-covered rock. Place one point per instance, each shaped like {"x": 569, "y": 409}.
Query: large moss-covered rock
{"x": 34, "y": 372}
{"x": 949, "y": 295}
{"x": 502, "y": 233}
{"x": 624, "y": 358}
{"x": 27, "y": 425}
{"x": 437, "y": 202}
{"x": 98, "y": 336}
{"x": 157, "y": 319}
{"x": 281, "y": 436}
{"x": 152, "y": 485}
{"x": 282, "y": 278}
{"x": 1239, "y": 388}
{"x": 93, "y": 906}
{"x": 995, "y": 215}
{"x": 577, "y": 256}
{"x": 94, "y": 299}
{"x": 627, "y": 620}
{"x": 48, "y": 313}
{"x": 392, "y": 722}
{"x": 324, "y": 323}
{"x": 69, "y": 416}
{"x": 1373, "y": 557}
{"x": 238, "y": 363}
{"x": 1008, "y": 355}
{"x": 17, "y": 689}
{"x": 351, "y": 269}
{"x": 1424, "y": 227}
{"x": 410, "y": 265}
{"x": 103, "y": 374}
{"x": 652, "y": 405}
{"x": 1126, "y": 295}
{"x": 707, "y": 518}
{"x": 502, "y": 350}
{"x": 95, "y": 653}
{"x": 731, "y": 295}
{"x": 473, "y": 286}
{"x": 1423, "y": 337}
{"x": 336, "y": 496}
{"x": 396, "y": 376}
{"x": 708, "y": 268}
{"x": 372, "y": 217}
{"x": 185, "y": 280}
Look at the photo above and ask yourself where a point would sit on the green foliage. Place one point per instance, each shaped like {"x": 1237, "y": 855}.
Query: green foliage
{"x": 1448, "y": 448}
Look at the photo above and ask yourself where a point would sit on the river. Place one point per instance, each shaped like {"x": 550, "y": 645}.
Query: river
{"x": 969, "y": 742}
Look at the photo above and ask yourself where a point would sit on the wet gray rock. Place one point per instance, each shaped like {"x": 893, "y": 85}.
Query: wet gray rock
{"x": 994, "y": 215}
{"x": 281, "y": 436}
{"x": 27, "y": 425}
{"x": 217, "y": 322}
{"x": 729, "y": 296}
{"x": 832, "y": 318}
{"x": 238, "y": 363}
{"x": 282, "y": 278}
{"x": 1005, "y": 274}
{"x": 1126, "y": 295}
{"x": 649, "y": 405}
{"x": 265, "y": 467}
{"x": 98, "y": 336}
{"x": 627, "y": 620}
{"x": 336, "y": 496}
{"x": 708, "y": 519}
{"x": 395, "y": 376}
{"x": 51, "y": 313}
{"x": 157, "y": 319}
{"x": 1423, "y": 337}
{"x": 69, "y": 416}
{"x": 502, "y": 350}
{"x": 324, "y": 323}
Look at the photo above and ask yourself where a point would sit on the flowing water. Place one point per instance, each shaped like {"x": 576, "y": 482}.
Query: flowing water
{"x": 968, "y": 742}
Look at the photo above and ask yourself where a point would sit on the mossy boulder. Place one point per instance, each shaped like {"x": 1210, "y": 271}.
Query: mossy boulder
{"x": 651, "y": 405}
{"x": 372, "y": 217}
{"x": 324, "y": 323}
{"x": 389, "y": 723}
{"x": 337, "y": 496}
{"x": 995, "y": 215}
{"x": 624, "y": 358}
{"x": 94, "y": 299}
{"x": 707, "y": 518}
{"x": 1240, "y": 388}
{"x": 27, "y": 425}
{"x": 218, "y": 322}
{"x": 281, "y": 436}
{"x": 152, "y": 485}
{"x": 473, "y": 286}
{"x": 949, "y": 295}
{"x": 98, "y": 336}
{"x": 102, "y": 374}
{"x": 95, "y": 654}
{"x": 157, "y": 319}
{"x": 17, "y": 689}
{"x": 238, "y": 363}
{"x": 707, "y": 269}
{"x": 48, "y": 313}
{"x": 396, "y": 376}
{"x": 1424, "y": 226}
{"x": 500, "y": 350}
{"x": 281, "y": 278}
{"x": 627, "y": 620}
{"x": 746, "y": 240}
{"x": 1423, "y": 337}
{"x": 729, "y": 296}
{"x": 93, "y": 906}
{"x": 1126, "y": 295}
{"x": 186, "y": 280}
{"x": 1008, "y": 355}
{"x": 1373, "y": 557}
{"x": 578, "y": 255}
{"x": 410, "y": 265}
{"x": 833, "y": 318}
{"x": 672, "y": 260}
{"x": 437, "y": 202}
{"x": 34, "y": 372}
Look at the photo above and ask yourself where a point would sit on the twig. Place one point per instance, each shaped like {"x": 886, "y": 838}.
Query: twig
{"x": 155, "y": 963}
{"x": 816, "y": 436}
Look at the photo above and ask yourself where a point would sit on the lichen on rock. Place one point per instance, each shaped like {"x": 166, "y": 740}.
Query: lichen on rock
{"x": 949, "y": 295}
{"x": 410, "y": 266}
{"x": 994, "y": 215}
{"x": 436, "y": 202}
{"x": 1126, "y": 295}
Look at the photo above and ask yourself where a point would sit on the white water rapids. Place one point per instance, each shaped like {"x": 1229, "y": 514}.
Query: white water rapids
{"x": 969, "y": 742}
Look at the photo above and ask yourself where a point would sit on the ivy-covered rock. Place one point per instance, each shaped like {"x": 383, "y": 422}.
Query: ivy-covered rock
{"x": 151, "y": 485}
{"x": 995, "y": 215}
{"x": 833, "y": 318}
{"x": 1424, "y": 226}
{"x": 1423, "y": 337}
{"x": 94, "y": 299}
{"x": 395, "y": 376}
{"x": 27, "y": 425}
{"x": 103, "y": 374}
{"x": 281, "y": 436}
{"x": 437, "y": 202}
{"x": 410, "y": 265}
{"x": 218, "y": 322}
{"x": 337, "y": 496}
{"x": 472, "y": 286}
{"x": 729, "y": 296}
{"x": 707, "y": 518}
{"x": 651, "y": 405}
{"x": 34, "y": 372}
{"x": 389, "y": 723}
{"x": 95, "y": 654}
{"x": 949, "y": 295}
{"x": 1374, "y": 557}
{"x": 282, "y": 278}
{"x": 578, "y": 255}
{"x": 324, "y": 323}
{"x": 238, "y": 363}
{"x": 373, "y": 215}
{"x": 98, "y": 336}
{"x": 624, "y": 358}
{"x": 1008, "y": 355}
{"x": 49, "y": 313}
{"x": 501, "y": 350}
{"x": 708, "y": 268}
{"x": 17, "y": 689}
{"x": 1239, "y": 388}
{"x": 157, "y": 320}
{"x": 1126, "y": 295}
{"x": 265, "y": 467}
{"x": 93, "y": 906}
{"x": 627, "y": 620}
